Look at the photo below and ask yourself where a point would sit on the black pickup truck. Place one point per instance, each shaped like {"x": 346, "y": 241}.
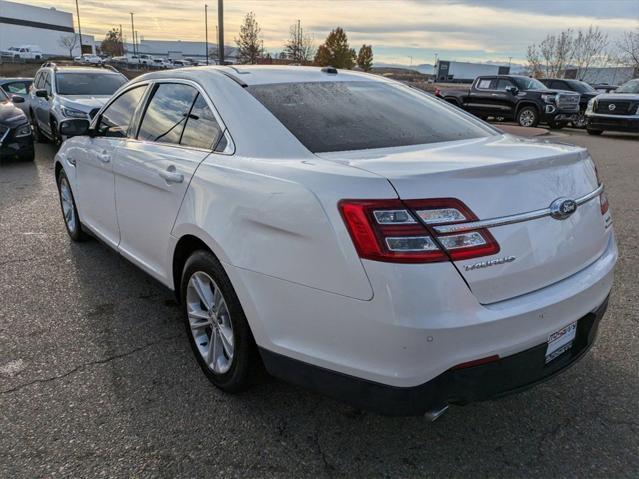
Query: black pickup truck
{"x": 525, "y": 100}
{"x": 586, "y": 91}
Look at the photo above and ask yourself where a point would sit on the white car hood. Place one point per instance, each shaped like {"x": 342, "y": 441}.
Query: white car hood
{"x": 84, "y": 103}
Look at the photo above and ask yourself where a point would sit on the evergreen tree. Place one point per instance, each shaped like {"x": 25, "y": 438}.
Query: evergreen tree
{"x": 365, "y": 58}
{"x": 335, "y": 51}
{"x": 249, "y": 43}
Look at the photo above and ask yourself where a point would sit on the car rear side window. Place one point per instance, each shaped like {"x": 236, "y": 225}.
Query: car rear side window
{"x": 17, "y": 88}
{"x": 167, "y": 112}
{"x": 115, "y": 120}
{"x": 202, "y": 129}
{"x": 358, "y": 115}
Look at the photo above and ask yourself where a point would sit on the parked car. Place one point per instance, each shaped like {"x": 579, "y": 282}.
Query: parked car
{"x": 179, "y": 63}
{"x": 525, "y": 100}
{"x": 604, "y": 87}
{"x": 585, "y": 91}
{"x": 17, "y": 87}
{"x": 89, "y": 59}
{"x": 62, "y": 98}
{"x": 617, "y": 111}
{"x": 16, "y": 139}
{"x": 356, "y": 236}
{"x": 140, "y": 59}
{"x": 23, "y": 52}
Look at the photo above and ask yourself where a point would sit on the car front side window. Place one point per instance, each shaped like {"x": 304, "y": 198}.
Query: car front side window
{"x": 116, "y": 119}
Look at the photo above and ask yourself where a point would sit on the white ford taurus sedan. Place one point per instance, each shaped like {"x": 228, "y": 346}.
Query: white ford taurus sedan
{"x": 351, "y": 234}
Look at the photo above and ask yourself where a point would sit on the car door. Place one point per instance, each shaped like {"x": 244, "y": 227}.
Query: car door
{"x": 480, "y": 97}
{"x": 96, "y": 186}
{"x": 178, "y": 129}
{"x": 504, "y": 100}
{"x": 41, "y": 105}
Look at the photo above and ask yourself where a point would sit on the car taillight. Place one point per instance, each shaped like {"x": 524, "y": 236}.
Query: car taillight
{"x": 438, "y": 92}
{"x": 603, "y": 199}
{"x": 403, "y": 231}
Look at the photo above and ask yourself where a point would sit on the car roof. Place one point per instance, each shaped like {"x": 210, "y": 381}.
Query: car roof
{"x": 264, "y": 74}
{"x": 70, "y": 69}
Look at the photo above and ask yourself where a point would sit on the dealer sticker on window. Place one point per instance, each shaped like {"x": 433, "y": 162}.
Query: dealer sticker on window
{"x": 560, "y": 341}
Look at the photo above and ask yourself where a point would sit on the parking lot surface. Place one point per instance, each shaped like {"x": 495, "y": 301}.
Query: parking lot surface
{"x": 97, "y": 377}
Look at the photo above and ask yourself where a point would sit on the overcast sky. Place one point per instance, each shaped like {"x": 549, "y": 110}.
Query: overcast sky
{"x": 462, "y": 30}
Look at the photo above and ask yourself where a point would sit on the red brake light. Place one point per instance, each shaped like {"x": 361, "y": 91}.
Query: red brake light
{"x": 402, "y": 231}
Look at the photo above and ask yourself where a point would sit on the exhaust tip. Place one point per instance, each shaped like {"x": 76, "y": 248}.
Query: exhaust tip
{"x": 434, "y": 414}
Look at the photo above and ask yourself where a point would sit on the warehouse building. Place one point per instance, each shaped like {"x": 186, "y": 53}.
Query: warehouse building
{"x": 46, "y": 28}
{"x": 178, "y": 49}
{"x": 465, "y": 72}
{"x": 603, "y": 75}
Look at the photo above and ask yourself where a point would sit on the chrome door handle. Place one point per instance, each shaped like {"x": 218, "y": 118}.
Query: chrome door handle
{"x": 104, "y": 157}
{"x": 171, "y": 176}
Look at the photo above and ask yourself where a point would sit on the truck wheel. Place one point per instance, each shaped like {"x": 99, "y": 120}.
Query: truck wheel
{"x": 528, "y": 117}
{"x": 594, "y": 132}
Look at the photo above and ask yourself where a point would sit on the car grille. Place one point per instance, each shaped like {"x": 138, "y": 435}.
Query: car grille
{"x": 616, "y": 107}
{"x": 568, "y": 102}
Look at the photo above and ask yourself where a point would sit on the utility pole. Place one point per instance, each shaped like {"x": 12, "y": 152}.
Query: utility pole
{"x": 121, "y": 42}
{"x": 77, "y": 9}
{"x": 206, "y": 31}
{"x": 133, "y": 32}
{"x": 220, "y": 23}
{"x": 510, "y": 59}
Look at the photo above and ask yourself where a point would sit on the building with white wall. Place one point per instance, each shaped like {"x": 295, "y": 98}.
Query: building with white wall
{"x": 465, "y": 72}
{"x": 22, "y": 24}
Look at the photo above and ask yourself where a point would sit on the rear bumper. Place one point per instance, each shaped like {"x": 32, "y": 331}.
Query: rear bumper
{"x": 628, "y": 124}
{"x": 507, "y": 375}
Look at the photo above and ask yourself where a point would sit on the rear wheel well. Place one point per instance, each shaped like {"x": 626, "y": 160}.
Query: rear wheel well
{"x": 185, "y": 247}
{"x": 58, "y": 167}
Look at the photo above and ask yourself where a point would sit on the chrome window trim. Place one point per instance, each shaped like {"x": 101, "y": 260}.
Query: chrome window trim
{"x": 508, "y": 220}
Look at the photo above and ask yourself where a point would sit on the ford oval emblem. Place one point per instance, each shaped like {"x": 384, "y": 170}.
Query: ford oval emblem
{"x": 562, "y": 208}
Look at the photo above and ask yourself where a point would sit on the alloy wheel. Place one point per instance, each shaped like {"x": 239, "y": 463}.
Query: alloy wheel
{"x": 527, "y": 118}
{"x": 210, "y": 322}
{"x": 67, "y": 205}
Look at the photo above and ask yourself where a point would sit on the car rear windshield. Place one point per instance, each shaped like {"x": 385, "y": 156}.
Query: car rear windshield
{"x": 358, "y": 115}
{"x": 630, "y": 87}
{"x": 88, "y": 83}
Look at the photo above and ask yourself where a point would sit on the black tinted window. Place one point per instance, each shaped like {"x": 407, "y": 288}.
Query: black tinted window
{"x": 357, "y": 115}
{"x": 502, "y": 84}
{"x": 88, "y": 83}
{"x": 201, "y": 130}
{"x": 115, "y": 120}
{"x": 167, "y": 112}
{"x": 17, "y": 88}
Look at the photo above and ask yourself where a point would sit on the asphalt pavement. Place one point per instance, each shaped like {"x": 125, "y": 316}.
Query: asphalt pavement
{"x": 97, "y": 378}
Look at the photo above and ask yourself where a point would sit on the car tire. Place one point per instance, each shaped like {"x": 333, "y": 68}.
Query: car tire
{"x": 55, "y": 136}
{"x": 38, "y": 136}
{"x": 594, "y": 132}
{"x": 69, "y": 209}
{"x": 528, "y": 117}
{"x": 215, "y": 323}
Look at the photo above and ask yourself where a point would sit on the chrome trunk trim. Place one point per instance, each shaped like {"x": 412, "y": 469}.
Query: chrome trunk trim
{"x": 508, "y": 220}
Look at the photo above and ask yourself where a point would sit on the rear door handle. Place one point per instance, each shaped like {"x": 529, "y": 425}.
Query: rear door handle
{"x": 171, "y": 176}
{"x": 104, "y": 157}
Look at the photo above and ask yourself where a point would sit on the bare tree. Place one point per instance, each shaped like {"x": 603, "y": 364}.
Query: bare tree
{"x": 556, "y": 51}
{"x": 68, "y": 42}
{"x": 588, "y": 48}
{"x": 534, "y": 61}
{"x": 628, "y": 49}
{"x": 299, "y": 47}
{"x": 249, "y": 43}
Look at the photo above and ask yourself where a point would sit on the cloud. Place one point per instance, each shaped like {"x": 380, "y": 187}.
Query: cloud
{"x": 461, "y": 29}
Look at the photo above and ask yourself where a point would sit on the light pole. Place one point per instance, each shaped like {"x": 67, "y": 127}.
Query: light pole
{"x": 133, "y": 32}
{"x": 220, "y": 30}
{"x": 206, "y": 31}
{"x": 77, "y": 9}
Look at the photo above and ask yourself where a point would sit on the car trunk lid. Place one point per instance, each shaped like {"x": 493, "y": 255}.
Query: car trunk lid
{"x": 499, "y": 177}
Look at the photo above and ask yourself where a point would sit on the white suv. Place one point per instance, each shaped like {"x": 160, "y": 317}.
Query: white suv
{"x": 352, "y": 234}
{"x": 61, "y": 99}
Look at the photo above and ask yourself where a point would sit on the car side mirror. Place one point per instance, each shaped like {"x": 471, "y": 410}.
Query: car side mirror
{"x": 42, "y": 94}
{"x": 17, "y": 99}
{"x": 75, "y": 128}
{"x": 512, "y": 89}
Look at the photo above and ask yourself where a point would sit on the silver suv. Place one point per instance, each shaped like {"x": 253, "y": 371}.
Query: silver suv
{"x": 62, "y": 98}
